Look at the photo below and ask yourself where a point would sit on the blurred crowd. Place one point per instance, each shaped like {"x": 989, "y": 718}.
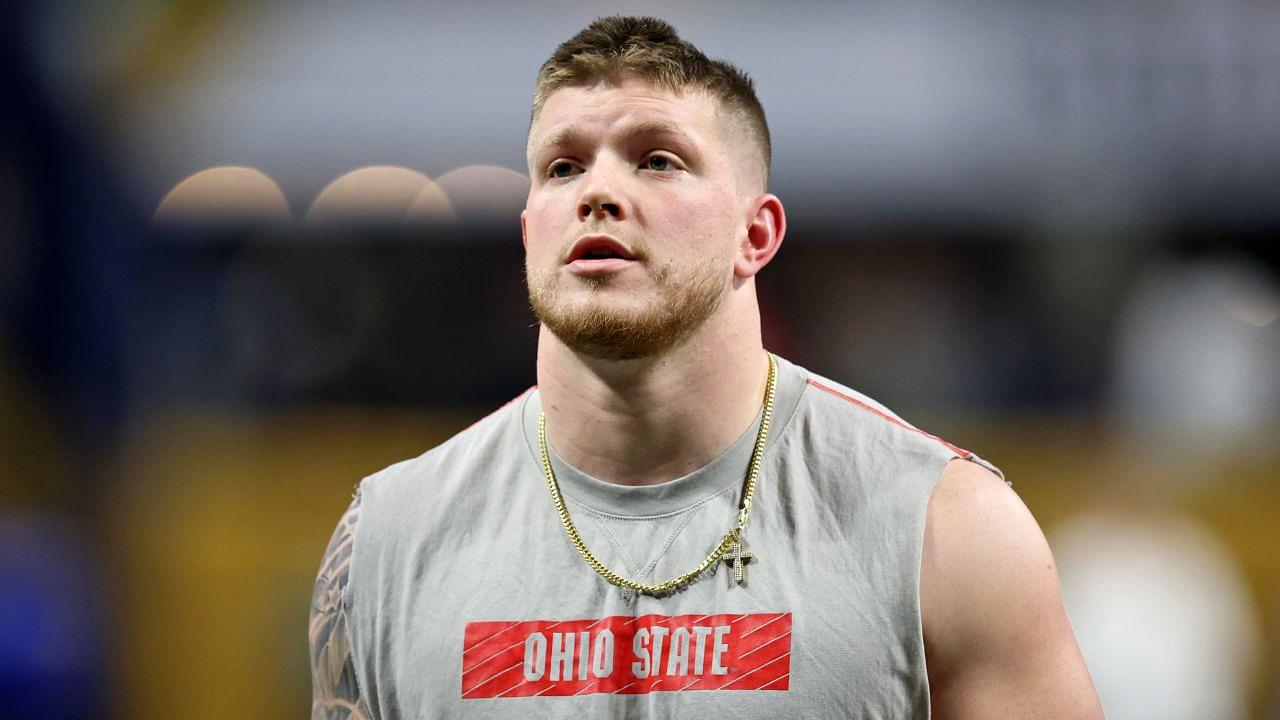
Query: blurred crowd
{"x": 251, "y": 252}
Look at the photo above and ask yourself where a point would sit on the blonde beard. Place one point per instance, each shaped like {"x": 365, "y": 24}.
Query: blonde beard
{"x": 608, "y": 333}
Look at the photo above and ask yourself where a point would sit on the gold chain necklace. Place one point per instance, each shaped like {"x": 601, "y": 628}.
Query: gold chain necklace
{"x": 732, "y": 540}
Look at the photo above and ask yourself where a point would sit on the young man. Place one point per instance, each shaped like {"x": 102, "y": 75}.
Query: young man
{"x": 675, "y": 523}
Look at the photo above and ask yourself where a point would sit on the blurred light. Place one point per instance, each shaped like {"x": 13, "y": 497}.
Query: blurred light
{"x": 224, "y": 196}
{"x": 379, "y": 195}
{"x": 1163, "y": 616}
{"x": 431, "y": 207}
{"x": 486, "y": 194}
{"x": 1196, "y": 360}
{"x": 1256, "y": 311}
{"x": 50, "y": 619}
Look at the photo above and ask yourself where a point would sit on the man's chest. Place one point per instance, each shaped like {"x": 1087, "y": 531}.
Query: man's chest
{"x": 536, "y": 633}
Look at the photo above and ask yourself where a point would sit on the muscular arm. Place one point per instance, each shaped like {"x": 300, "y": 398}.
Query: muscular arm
{"x": 334, "y": 690}
{"x": 997, "y": 639}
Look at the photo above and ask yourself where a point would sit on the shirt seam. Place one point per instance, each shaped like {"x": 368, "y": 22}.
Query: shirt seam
{"x": 628, "y": 559}
{"x": 666, "y": 546}
{"x": 613, "y": 540}
{"x": 651, "y": 518}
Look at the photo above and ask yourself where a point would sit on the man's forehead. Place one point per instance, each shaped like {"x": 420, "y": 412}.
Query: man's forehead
{"x": 635, "y": 106}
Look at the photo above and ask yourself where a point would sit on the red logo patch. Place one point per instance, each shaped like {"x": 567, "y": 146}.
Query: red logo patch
{"x": 627, "y": 655}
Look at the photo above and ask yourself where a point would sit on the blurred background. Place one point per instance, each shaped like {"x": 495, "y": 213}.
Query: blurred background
{"x": 251, "y": 252}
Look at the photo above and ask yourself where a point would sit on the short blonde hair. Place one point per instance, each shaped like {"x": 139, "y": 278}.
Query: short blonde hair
{"x": 616, "y": 47}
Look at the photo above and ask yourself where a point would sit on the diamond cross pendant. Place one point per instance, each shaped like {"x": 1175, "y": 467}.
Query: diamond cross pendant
{"x": 738, "y": 557}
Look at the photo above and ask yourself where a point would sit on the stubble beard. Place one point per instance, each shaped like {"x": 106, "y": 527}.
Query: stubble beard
{"x": 604, "y": 331}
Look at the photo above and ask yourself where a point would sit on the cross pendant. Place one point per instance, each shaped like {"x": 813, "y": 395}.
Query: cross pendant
{"x": 738, "y": 557}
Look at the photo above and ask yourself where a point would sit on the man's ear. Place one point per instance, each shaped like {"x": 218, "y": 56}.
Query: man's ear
{"x": 524, "y": 229}
{"x": 766, "y": 226}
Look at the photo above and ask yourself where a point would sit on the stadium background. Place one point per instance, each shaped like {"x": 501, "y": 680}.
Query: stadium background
{"x": 1043, "y": 231}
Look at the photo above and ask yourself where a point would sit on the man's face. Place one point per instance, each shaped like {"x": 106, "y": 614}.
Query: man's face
{"x": 634, "y": 213}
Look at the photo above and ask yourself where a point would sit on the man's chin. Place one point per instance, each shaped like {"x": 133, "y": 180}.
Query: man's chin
{"x": 607, "y": 325}
{"x": 610, "y": 336}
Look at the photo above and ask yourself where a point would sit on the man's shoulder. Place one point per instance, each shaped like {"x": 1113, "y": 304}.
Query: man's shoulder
{"x": 496, "y": 438}
{"x": 997, "y": 637}
{"x": 853, "y": 415}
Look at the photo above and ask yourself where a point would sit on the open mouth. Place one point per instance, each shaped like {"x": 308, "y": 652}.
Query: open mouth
{"x": 599, "y": 254}
{"x": 597, "y": 248}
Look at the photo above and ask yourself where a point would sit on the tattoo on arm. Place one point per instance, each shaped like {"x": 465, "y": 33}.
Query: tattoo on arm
{"x": 335, "y": 693}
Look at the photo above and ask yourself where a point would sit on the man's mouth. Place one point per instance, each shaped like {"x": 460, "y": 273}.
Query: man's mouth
{"x": 599, "y": 247}
{"x": 597, "y": 255}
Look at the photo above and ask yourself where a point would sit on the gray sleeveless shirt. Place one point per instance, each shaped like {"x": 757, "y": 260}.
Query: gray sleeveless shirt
{"x": 467, "y": 599}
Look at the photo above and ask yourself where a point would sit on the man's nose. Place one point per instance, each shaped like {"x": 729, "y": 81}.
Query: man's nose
{"x": 601, "y": 197}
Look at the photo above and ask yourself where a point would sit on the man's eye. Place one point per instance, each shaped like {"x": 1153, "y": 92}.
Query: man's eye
{"x": 562, "y": 170}
{"x": 658, "y": 163}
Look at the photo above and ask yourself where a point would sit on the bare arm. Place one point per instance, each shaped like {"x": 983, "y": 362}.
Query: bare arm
{"x": 334, "y": 690}
{"x": 997, "y": 639}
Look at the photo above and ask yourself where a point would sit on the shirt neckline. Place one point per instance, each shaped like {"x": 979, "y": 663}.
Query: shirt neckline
{"x": 729, "y": 468}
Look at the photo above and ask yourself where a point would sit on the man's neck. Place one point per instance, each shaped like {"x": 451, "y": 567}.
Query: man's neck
{"x": 642, "y": 422}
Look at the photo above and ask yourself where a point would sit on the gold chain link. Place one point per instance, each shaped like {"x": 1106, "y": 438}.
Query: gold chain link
{"x": 730, "y": 538}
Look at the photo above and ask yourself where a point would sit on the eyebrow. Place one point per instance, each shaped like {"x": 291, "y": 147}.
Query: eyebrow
{"x": 572, "y": 135}
{"x": 564, "y": 136}
{"x": 656, "y": 127}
